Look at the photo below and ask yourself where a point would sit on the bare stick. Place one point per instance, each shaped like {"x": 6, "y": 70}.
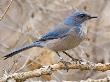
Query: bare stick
{"x": 2, "y": 16}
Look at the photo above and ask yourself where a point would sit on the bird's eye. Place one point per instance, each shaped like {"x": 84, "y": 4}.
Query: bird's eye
{"x": 81, "y": 15}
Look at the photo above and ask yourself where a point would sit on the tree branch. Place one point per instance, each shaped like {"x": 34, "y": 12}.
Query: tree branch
{"x": 2, "y": 16}
{"x": 46, "y": 70}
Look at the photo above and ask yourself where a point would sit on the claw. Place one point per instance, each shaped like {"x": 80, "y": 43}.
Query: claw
{"x": 66, "y": 65}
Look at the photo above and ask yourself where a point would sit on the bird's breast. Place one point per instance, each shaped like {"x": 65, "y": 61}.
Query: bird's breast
{"x": 65, "y": 43}
{"x": 72, "y": 41}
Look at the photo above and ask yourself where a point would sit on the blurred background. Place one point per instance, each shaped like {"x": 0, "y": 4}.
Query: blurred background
{"x": 27, "y": 20}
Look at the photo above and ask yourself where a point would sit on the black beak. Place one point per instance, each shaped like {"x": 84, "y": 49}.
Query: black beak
{"x": 91, "y": 17}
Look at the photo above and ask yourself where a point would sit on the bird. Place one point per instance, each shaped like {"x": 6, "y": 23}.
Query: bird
{"x": 64, "y": 36}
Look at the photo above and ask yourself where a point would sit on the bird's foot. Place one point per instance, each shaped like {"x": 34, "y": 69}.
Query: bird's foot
{"x": 77, "y": 60}
{"x": 65, "y": 64}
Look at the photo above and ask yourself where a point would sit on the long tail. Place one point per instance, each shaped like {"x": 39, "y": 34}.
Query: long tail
{"x": 21, "y": 49}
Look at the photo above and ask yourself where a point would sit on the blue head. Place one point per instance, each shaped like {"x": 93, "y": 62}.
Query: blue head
{"x": 78, "y": 18}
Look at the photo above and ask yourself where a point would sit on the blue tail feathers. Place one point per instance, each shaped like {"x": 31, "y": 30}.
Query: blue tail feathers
{"x": 34, "y": 44}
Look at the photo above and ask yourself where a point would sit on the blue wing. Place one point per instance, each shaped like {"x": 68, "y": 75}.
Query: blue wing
{"x": 59, "y": 32}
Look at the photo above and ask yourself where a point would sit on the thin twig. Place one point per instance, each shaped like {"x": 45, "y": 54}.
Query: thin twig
{"x": 12, "y": 66}
{"x": 2, "y": 16}
{"x": 23, "y": 64}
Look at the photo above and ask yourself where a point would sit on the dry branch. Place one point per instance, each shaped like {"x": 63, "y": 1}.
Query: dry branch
{"x": 4, "y": 13}
{"x": 46, "y": 70}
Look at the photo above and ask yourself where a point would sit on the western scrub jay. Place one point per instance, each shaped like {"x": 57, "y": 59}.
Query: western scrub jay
{"x": 67, "y": 35}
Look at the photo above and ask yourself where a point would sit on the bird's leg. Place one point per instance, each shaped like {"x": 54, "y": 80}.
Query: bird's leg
{"x": 59, "y": 56}
{"x": 73, "y": 59}
{"x": 64, "y": 62}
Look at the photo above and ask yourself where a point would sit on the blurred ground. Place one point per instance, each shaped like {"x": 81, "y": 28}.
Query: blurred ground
{"x": 27, "y": 20}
